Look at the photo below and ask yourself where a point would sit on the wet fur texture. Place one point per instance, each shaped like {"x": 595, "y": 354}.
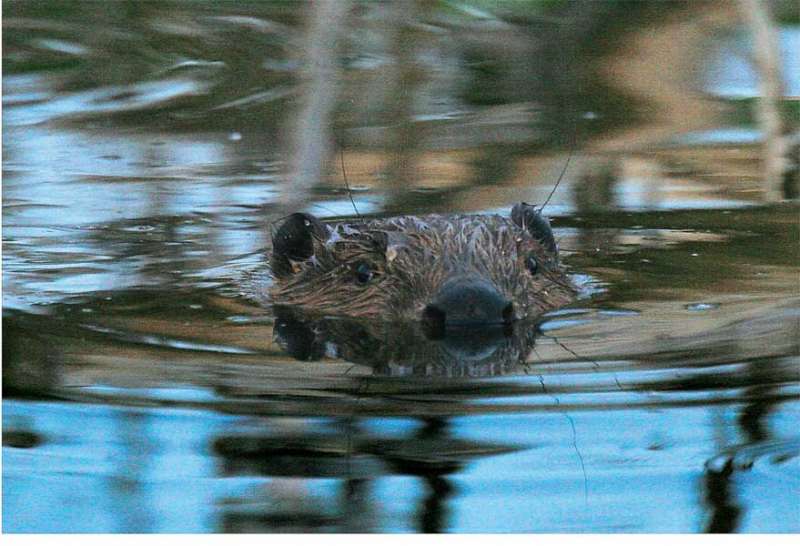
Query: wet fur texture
{"x": 409, "y": 258}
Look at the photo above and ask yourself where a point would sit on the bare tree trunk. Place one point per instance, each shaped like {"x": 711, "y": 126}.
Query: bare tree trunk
{"x": 320, "y": 77}
{"x": 767, "y": 57}
{"x": 402, "y": 85}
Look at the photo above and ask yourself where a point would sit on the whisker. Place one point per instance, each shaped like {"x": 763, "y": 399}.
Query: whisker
{"x": 347, "y": 185}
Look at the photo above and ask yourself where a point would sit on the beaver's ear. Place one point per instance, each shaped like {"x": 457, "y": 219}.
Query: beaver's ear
{"x": 534, "y": 222}
{"x": 294, "y": 241}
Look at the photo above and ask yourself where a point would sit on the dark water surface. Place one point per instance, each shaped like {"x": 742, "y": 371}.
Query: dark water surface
{"x": 147, "y": 389}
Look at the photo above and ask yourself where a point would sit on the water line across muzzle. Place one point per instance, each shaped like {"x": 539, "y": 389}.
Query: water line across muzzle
{"x": 468, "y": 301}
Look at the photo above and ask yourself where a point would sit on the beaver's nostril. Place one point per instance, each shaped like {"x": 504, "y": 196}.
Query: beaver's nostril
{"x": 508, "y": 313}
{"x": 433, "y": 315}
{"x": 433, "y": 321}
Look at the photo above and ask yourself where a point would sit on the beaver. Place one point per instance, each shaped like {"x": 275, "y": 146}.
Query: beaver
{"x": 444, "y": 270}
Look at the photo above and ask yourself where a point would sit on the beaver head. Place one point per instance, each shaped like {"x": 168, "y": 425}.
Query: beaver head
{"x": 446, "y": 270}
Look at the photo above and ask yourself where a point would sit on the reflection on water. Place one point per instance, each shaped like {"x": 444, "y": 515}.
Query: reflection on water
{"x": 148, "y": 389}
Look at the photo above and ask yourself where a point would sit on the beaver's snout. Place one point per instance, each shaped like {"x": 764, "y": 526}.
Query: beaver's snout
{"x": 467, "y": 301}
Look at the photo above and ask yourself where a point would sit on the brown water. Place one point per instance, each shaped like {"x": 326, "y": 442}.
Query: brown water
{"x": 146, "y": 388}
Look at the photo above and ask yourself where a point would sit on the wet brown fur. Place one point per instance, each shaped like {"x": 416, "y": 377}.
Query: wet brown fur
{"x": 412, "y": 257}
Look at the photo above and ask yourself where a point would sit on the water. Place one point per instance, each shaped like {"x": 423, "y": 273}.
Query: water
{"x": 146, "y": 389}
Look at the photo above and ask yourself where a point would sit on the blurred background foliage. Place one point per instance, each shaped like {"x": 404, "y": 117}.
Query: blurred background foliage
{"x": 509, "y": 78}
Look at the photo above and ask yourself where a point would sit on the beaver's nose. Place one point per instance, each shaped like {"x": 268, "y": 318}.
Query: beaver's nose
{"x": 467, "y": 301}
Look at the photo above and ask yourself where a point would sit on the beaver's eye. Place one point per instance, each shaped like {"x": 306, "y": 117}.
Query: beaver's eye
{"x": 532, "y": 264}
{"x": 363, "y": 272}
